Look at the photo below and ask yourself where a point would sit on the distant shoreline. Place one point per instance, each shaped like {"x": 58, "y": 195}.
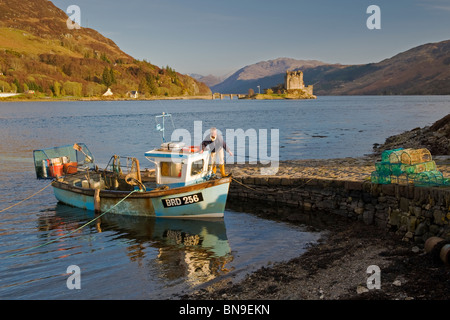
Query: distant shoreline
{"x": 21, "y": 98}
{"x": 261, "y": 96}
{"x": 52, "y": 99}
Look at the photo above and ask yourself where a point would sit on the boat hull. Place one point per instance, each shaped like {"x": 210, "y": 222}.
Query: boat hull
{"x": 205, "y": 199}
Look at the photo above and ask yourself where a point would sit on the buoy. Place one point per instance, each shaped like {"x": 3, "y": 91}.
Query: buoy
{"x": 191, "y": 149}
{"x": 431, "y": 242}
{"x": 70, "y": 167}
{"x": 445, "y": 254}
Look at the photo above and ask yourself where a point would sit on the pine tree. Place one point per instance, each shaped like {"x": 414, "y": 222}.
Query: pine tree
{"x": 18, "y": 85}
{"x": 112, "y": 76}
{"x": 106, "y": 77}
{"x": 56, "y": 89}
{"x": 151, "y": 84}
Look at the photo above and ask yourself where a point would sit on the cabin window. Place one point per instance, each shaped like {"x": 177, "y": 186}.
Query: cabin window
{"x": 171, "y": 169}
{"x": 197, "y": 167}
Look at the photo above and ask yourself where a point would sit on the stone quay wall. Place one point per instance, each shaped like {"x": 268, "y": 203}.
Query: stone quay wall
{"x": 416, "y": 213}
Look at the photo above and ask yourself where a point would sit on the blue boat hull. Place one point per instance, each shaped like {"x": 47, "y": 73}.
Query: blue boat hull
{"x": 207, "y": 199}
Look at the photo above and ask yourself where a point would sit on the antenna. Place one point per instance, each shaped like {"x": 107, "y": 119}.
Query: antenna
{"x": 161, "y": 126}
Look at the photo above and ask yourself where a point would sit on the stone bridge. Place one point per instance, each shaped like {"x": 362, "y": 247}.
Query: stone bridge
{"x": 220, "y": 96}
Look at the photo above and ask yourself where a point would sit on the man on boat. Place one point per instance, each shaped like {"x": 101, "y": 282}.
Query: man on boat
{"x": 216, "y": 144}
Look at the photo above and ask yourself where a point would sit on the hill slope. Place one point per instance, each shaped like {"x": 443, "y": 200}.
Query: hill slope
{"x": 421, "y": 70}
{"x": 39, "y": 52}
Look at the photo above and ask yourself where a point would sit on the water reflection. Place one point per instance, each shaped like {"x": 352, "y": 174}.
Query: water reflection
{"x": 193, "y": 250}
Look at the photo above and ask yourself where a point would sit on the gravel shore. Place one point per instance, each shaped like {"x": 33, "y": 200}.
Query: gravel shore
{"x": 336, "y": 269}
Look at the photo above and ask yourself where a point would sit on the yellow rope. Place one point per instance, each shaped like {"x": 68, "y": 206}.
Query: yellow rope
{"x": 244, "y": 185}
{"x": 307, "y": 182}
{"x": 27, "y": 197}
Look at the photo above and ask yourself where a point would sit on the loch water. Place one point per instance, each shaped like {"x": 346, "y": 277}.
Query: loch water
{"x": 121, "y": 257}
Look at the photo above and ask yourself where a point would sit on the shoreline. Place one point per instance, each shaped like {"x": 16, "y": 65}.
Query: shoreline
{"x": 51, "y": 99}
{"x": 197, "y": 97}
{"x": 336, "y": 267}
{"x": 265, "y": 96}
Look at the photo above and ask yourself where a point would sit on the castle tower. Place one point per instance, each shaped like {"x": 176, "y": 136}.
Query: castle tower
{"x": 293, "y": 80}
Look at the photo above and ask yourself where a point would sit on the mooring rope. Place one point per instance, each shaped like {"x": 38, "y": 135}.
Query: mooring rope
{"x": 73, "y": 231}
{"x": 244, "y": 185}
{"x": 27, "y": 197}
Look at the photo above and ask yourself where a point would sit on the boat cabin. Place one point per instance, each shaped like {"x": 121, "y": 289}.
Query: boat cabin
{"x": 177, "y": 165}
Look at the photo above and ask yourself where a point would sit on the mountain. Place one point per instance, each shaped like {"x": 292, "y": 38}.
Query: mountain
{"x": 210, "y": 80}
{"x": 423, "y": 70}
{"x": 39, "y": 52}
{"x": 264, "y": 74}
{"x": 420, "y": 70}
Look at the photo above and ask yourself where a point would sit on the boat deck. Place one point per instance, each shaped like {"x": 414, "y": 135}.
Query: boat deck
{"x": 108, "y": 180}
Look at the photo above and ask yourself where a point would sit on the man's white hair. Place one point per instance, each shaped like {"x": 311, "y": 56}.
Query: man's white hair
{"x": 213, "y": 133}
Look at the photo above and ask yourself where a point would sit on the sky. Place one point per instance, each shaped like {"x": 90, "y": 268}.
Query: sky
{"x": 220, "y": 37}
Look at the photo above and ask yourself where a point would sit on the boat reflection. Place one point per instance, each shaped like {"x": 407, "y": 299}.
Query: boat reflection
{"x": 194, "y": 249}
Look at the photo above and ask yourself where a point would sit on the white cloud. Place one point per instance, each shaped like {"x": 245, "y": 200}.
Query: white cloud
{"x": 441, "y": 5}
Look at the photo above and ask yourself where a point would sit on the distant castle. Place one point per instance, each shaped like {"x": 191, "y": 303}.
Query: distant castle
{"x": 293, "y": 81}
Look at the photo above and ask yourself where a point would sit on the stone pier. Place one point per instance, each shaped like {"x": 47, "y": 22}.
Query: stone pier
{"x": 343, "y": 187}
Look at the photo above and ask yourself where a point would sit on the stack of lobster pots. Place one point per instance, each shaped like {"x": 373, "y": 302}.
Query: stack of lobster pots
{"x": 408, "y": 166}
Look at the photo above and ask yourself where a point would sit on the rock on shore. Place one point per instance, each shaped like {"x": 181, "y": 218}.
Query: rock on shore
{"x": 435, "y": 138}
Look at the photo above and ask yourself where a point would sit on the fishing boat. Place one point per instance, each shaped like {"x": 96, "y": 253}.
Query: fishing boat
{"x": 182, "y": 184}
